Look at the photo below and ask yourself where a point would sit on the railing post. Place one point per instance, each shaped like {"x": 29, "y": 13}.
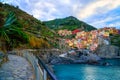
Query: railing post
{"x": 45, "y": 74}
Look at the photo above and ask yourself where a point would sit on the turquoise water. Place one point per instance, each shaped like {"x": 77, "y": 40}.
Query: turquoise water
{"x": 88, "y": 72}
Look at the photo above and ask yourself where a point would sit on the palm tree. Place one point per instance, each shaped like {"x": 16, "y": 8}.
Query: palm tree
{"x": 9, "y": 33}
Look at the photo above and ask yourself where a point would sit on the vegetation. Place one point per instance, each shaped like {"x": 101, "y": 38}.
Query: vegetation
{"x": 33, "y": 27}
{"x": 10, "y": 34}
{"x": 19, "y": 27}
{"x": 115, "y": 40}
{"x": 69, "y": 23}
{"x": 38, "y": 42}
{"x": 16, "y": 26}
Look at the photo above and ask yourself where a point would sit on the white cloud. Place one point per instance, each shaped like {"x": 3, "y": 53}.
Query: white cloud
{"x": 110, "y": 21}
{"x": 44, "y": 10}
{"x": 40, "y": 9}
{"x": 116, "y": 24}
{"x": 65, "y": 1}
{"x": 107, "y": 19}
{"x": 98, "y": 7}
{"x": 47, "y": 10}
{"x": 85, "y": 10}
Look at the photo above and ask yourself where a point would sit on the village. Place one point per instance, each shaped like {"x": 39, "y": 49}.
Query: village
{"x": 88, "y": 40}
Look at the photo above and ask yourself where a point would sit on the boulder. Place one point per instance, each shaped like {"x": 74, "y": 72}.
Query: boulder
{"x": 89, "y": 57}
{"x": 61, "y": 60}
{"x": 86, "y": 57}
{"x": 108, "y": 51}
{"x": 55, "y": 58}
{"x": 83, "y": 56}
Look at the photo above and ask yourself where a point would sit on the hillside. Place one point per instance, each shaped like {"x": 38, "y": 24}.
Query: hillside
{"x": 69, "y": 23}
{"x": 27, "y": 23}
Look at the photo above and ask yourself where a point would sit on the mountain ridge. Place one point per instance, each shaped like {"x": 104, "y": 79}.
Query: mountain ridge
{"x": 69, "y": 23}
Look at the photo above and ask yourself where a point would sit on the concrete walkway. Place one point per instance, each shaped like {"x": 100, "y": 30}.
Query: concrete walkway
{"x": 17, "y": 68}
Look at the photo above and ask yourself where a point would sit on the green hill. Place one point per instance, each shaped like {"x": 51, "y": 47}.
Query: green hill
{"x": 26, "y": 22}
{"x": 69, "y": 23}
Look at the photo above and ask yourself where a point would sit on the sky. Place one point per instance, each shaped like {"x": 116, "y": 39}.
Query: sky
{"x": 98, "y": 13}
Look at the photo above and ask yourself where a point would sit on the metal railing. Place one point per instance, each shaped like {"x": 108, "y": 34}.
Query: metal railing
{"x": 46, "y": 71}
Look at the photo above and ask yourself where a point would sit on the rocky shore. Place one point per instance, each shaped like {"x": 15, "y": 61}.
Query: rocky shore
{"x": 82, "y": 56}
{"x": 72, "y": 57}
{"x": 75, "y": 56}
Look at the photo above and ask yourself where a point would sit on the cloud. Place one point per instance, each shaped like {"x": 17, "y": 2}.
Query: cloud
{"x": 48, "y": 9}
{"x": 43, "y": 12}
{"x": 65, "y": 1}
{"x": 117, "y": 24}
{"x": 110, "y": 21}
{"x": 107, "y": 19}
{"x": 95, "y": 12}
{"x": 98, "y": 7}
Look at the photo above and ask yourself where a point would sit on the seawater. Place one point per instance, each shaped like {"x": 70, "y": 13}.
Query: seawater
{"x": 89, "y": 72}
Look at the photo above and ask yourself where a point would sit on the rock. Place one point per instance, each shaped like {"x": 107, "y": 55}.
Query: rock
{"x": 55, "y": 58}
{"x": 102, "y": 41}
{"x": 61, "y": 60}
{"x": 80, "y": 61}
{"x": 108, "y": 51}
{"x": 89, "y": 57}
{"x": 84, "y": 56}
